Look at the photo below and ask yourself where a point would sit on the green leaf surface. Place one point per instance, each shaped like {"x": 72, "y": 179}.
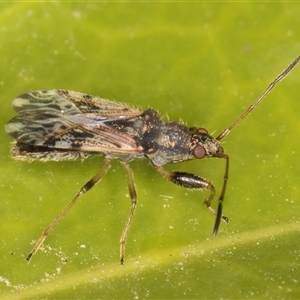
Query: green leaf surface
{"x": 200, "y": 62}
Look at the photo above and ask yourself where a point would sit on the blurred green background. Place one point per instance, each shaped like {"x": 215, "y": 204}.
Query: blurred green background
{"x": 203, "y": 63}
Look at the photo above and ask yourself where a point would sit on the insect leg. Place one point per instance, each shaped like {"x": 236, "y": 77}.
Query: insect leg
{"x": 192, "y": 181}
{"x": 82, "y": 191}
{"x": 133, "y": 197}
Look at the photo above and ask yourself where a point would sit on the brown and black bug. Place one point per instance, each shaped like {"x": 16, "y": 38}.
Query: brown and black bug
{"x": 64, "y": 125}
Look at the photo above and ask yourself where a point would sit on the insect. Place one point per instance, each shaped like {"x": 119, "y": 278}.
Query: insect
{"x": 54, "y": 125}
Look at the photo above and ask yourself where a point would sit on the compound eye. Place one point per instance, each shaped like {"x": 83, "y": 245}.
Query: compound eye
{"x": 202, "y": 130}
{"x": 199, "y": 152}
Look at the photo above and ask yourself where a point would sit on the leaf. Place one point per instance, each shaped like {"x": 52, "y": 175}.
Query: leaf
{"x": 202, "y": 62}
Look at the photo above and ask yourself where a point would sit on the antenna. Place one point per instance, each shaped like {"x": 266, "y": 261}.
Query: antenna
{"x": 281, "y": 76}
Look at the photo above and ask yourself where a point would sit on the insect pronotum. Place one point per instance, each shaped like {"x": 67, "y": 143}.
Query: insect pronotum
{"x": 64, "y": 125}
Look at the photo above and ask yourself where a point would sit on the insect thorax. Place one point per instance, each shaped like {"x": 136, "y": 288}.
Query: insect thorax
{"x": 164, "y": 142}
{"x": 173, "y": 142}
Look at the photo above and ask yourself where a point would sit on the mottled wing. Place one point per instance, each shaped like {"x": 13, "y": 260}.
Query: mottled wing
{"x": 60, "y": 119}
{"x": 70, "y": 103}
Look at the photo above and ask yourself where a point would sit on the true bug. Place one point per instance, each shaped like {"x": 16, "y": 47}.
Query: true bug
{"x": 65, "y": 125}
